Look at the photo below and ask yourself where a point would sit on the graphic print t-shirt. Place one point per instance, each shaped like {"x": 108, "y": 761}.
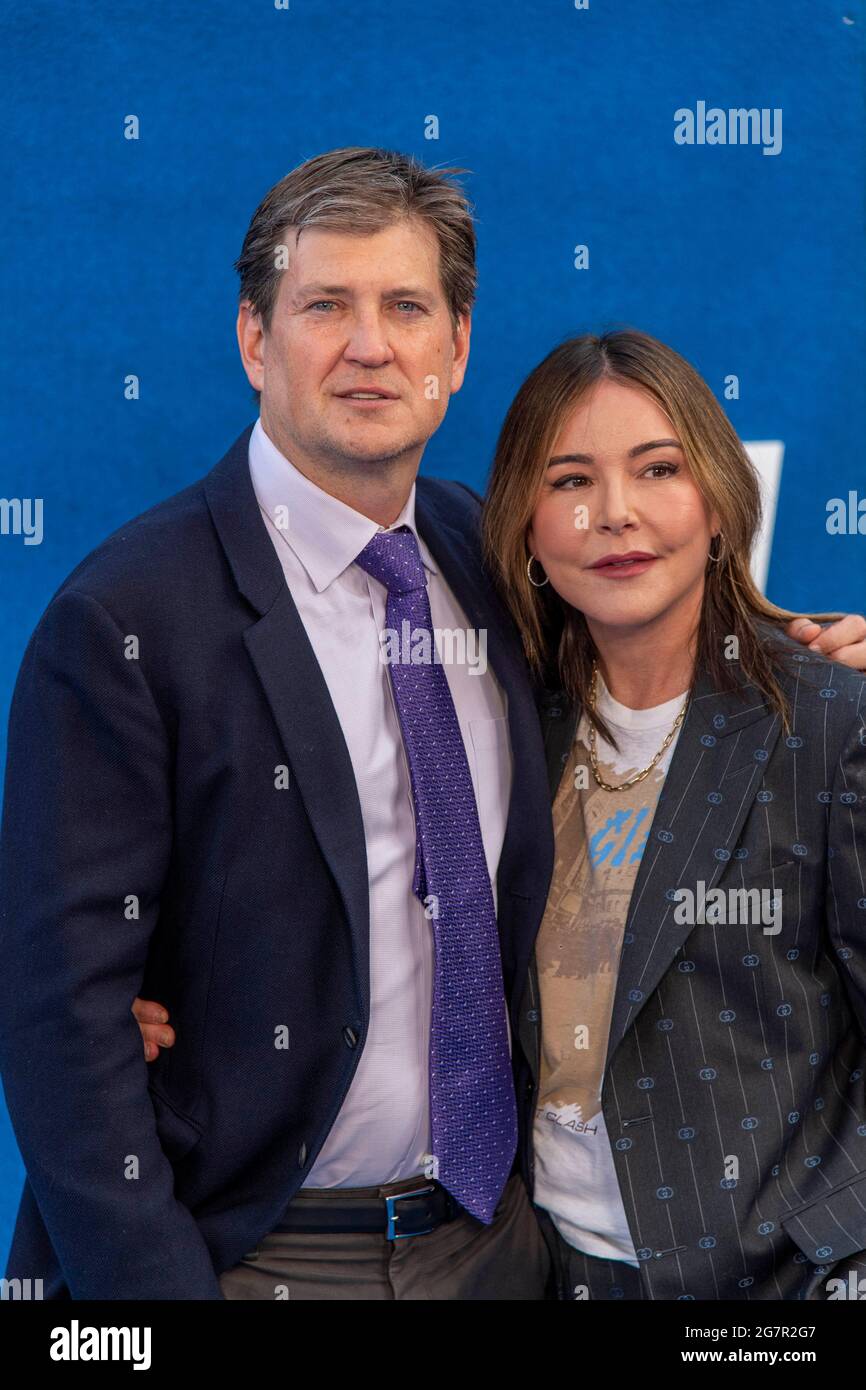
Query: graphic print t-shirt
{"x": 600, "y": 840}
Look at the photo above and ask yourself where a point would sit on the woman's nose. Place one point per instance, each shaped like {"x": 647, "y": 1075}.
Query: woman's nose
{"x": 613, "y": 511}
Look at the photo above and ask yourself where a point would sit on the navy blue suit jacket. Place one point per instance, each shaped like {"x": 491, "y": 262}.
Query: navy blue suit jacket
{"x": 148, "y": 848}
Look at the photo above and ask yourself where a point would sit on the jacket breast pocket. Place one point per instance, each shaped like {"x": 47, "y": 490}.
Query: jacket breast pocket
{"x": 761, "y": 898}
{"x": 833, "y": 1225}
{"x": 177, "y": 1134}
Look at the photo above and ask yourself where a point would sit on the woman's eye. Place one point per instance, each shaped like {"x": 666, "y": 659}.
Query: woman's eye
{"x": 672, "y": 468}
{"x": 572, "y": 481}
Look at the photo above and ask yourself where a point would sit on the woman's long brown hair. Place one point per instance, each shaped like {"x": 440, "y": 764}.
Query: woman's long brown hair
{"x": 555, "y": 635}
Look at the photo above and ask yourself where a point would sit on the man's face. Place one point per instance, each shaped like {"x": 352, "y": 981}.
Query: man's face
{"x": 356, "y": 313}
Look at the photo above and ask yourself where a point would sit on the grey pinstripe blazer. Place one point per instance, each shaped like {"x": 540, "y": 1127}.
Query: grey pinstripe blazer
{"x": 727, "y": 1042}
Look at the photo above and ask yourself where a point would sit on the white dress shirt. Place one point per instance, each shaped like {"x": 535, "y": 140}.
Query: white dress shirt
{"x": 382, "y": 1132}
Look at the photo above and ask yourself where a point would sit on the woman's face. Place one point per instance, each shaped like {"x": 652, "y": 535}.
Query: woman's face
{"x": 618, "y": 482}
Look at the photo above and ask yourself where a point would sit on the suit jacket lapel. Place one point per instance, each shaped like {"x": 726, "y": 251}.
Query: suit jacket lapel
{"x": 714, "y": 775}
{"x": 304, "y": 712}
{"x": 296, "y": 691}
{"x": 711, "y": 783}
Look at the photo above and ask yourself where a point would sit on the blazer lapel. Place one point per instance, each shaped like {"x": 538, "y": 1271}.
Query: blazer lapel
{"x": 296, "y": 691}
{"x": 711, "y": 783}
{"x": 304, "y": 712}
{"x": 714, "y": 775}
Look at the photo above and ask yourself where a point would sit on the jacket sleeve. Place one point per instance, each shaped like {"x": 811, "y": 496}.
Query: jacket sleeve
{"x": 846, "y": 866}
{"x": 84, "y": 849}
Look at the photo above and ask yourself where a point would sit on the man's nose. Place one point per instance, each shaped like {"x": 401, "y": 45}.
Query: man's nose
{"x": 368, "y": 340}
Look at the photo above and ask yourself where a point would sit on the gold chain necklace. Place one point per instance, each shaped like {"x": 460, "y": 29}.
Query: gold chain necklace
{"x": 639, "y": 776}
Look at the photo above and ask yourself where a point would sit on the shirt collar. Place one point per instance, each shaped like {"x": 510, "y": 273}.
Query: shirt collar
{"x": 324, "y": 533}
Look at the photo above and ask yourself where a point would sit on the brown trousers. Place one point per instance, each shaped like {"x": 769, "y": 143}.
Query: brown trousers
{"x": 462, "y": 1259}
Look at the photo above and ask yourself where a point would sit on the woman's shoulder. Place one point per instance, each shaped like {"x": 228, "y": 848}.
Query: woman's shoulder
{"x": 796, "y": 666}
{"x": 825, "y": 698}
{"x": 816, "y": 685}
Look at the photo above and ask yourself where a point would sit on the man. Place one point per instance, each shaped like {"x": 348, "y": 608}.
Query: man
{"x": 219, "y": 796}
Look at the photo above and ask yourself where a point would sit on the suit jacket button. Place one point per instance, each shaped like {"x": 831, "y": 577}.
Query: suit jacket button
{"x": 350, "y": 1036}
{"x": 302, "y": 1155}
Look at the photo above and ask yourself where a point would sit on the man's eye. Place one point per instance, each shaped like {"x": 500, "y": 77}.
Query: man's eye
{"x": 319, "y": 302}
{"x": 408, "y": 303}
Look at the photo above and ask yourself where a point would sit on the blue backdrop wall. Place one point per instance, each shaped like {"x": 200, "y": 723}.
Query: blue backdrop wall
{"x": 117, "y": 254}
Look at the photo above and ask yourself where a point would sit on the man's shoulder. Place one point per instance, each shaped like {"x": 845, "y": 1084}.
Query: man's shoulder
{"x": 162, "y": 551}
{"x": 451, "y": 502}
{"x": 152, "y": 551}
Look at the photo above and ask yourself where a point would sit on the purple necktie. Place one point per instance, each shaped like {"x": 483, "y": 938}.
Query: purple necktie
{"x": 473, "y": 1115}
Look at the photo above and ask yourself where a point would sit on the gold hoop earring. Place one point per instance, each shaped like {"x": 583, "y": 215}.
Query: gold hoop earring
{"x": 544, "y": 581}
{"x": 717, "y": 559}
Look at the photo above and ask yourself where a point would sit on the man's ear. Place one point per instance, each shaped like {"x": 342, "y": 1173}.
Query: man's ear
{"x": 462, "y": 334}
{"x": 251, "y": 339}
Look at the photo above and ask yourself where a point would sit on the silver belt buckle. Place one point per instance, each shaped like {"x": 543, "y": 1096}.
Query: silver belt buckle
{"x": 393, "y": 1216}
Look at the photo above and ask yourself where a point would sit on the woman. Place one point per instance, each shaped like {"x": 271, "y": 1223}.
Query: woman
{"x": 615, "y": 446}
{"x": 700, "y": 1120}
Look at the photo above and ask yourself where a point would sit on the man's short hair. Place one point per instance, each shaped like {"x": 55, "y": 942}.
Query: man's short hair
{"x": 361, "y": 190}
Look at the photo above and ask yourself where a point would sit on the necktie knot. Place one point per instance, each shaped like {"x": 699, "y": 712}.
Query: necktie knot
{"x": 393, "y": 557}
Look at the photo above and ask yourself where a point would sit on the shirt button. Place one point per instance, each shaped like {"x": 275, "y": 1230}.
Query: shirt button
{"x": 350, "y": 1036}
{"x": 302, "y": 1155}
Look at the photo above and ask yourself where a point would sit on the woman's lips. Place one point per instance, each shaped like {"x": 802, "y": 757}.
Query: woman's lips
{"x": 625, "y": 569}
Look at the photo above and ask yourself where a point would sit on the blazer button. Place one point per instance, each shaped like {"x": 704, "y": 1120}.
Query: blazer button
{"x": 302, "y": 1155}
{"x": 350, "y": 1037}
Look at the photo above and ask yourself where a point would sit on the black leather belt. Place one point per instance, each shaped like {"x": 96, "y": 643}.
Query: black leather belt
{"x": 394, "y": 1210}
